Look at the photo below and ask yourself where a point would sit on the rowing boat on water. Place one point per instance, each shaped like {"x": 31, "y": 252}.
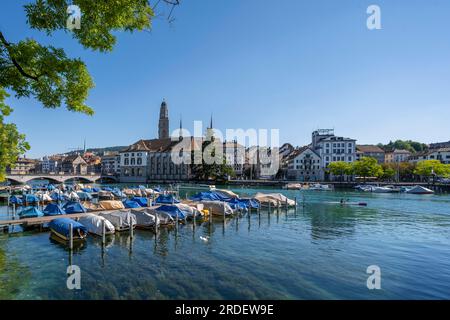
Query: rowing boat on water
{"x": 346, "y": 203}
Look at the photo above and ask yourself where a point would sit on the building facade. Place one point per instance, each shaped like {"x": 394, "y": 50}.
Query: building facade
{"x": 304, "y": 164}
{"x": 332, "y": 148}
{"x": 441, "y": 154}
{"x": 74, "y": 164}
{"x": 396, "y": 156}
{"x": 110, "y": 163}
{"x": 372, "y": 151}
{"x": 23, "y": 166}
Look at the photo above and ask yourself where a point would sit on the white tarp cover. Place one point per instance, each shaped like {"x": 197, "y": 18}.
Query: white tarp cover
{"x": 120, "y": 218}
{"x": 188, "y": 210}
{"x": 145, "y": 218}
{"x": 94, "y": 224}
{"x": 218, "y": 207}
{"x": 420, "y": 190}
{"x": 273, "y": 199}
{"x": 226, "y": 193}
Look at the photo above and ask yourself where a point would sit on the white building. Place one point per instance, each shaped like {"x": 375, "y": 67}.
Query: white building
{"x": 111, "y": 163}
{"x": 304, "y": 164}
{"x": 441, "y": 154}
{"x": 332, "y": 148}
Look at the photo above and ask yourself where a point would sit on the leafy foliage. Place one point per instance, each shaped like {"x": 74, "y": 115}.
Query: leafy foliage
{"x": 429, "y": 168}
{"x": 12, "y": 143}
{"x": 412, "y": 146}
{"x": 367, "y": 167}
{"x": 218, "y": 170}
{"x": 30, "y": 69}
{"x": 340, "y": 168}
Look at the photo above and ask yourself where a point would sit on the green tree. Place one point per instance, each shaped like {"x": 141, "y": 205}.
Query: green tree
{"x": 432, "y": 168}
{"x": 46, "y": 73}
{"x": 388, "y": 172}
{"x": 340, "y": 169}
{"x": 219, "y": 170}
{"x": 367, "y": 167}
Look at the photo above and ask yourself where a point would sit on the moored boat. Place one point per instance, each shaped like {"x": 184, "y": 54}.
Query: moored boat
{"x": 61, "y": 228}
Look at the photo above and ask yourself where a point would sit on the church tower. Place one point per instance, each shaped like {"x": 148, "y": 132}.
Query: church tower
{"x": 163, "y": 127}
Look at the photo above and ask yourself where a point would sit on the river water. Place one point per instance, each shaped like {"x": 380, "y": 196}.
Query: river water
{"x": 319, "y": 251}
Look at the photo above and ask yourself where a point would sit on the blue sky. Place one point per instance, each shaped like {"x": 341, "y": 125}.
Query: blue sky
{"x": 292, "y": 65}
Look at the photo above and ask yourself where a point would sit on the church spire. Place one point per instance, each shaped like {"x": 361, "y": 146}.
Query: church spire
{"x": 181, "y": 129}
{"x": 163, "y": 127}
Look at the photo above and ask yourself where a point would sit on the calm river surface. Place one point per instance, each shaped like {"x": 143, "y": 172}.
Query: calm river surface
{"x": 319, "y": 251}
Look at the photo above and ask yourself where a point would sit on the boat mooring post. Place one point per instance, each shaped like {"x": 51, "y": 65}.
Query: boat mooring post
{"x": 130, "y": 223}
{"x": 70, "y": 236}
{"x": 223, "y": 208}
{"x": 286, "y": 203}
{"x": 14, "y": 210}
{"x": 176, "y": 223}
{"x": 103, "y": 232}
{"x": 270, "y": 204}
{"x": 295, "y": 199}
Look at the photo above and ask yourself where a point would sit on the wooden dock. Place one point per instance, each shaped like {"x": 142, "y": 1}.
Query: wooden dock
{"x": 47, "y": 219}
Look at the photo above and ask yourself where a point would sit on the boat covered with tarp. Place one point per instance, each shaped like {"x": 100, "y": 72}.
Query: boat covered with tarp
{"x": 251, "y": 203}
{"x": 420, "y": 190}
{"x": 74, "y": 207}
{"x": 92, "y": 206}
{"x": 130, "y": 204}
{"x": 218, "y": 207}
{"x": 84, "y": 196}
{"x": 209, "y": 196}
{"x": 105, "y": 194}
{"x": 30, "y": 212}
{"x": 120, "y": 219}
{"x": 61, "y": 228}
{"x": 15, "y": 200}
{"x": 189, "y": 211}
{"x": 58, "y": 196}
{"x": 143, "y": 202}
{"x": 166, "y": 199}
{"x": 31, "y": 198}
{"x": 94, "y": 224}
{"x": 146, "y": 218}
{"x": 111, "y": 204}
{"x": 53, "y": 209}
{"x": 274, "y": 199}
{"x": 173, "y": 211}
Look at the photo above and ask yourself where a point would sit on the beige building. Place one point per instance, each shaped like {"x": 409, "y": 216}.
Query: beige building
{"x": 74, "y": 164}
{"x": 304, "y": 164}
{"x": 396, "y": 156}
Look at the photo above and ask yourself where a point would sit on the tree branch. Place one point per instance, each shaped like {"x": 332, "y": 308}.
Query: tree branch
{"x": 14, "y": 61}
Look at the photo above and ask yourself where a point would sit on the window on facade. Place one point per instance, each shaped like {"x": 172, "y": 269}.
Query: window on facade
{"x": 133, "y": 161}
{"x": 132, "y": 172}
{"x": 127, "y": 161}
{"x": 139, "y": 161}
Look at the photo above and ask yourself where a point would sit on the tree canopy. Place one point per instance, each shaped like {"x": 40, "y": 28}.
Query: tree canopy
{"x": 46, "y": 73}
{"x": 367, "y": 167}
{"x": 412, "y": 146}
{"x": 428, "y": 168}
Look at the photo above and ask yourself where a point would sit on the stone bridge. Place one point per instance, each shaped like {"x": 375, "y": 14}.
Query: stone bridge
{"x": 54, "y": 178}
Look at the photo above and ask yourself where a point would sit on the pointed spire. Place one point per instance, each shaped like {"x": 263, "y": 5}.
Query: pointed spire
{"x": 84, "y": 146}
{"x": 211, "y": 123}
{"x": 181, "y": 128}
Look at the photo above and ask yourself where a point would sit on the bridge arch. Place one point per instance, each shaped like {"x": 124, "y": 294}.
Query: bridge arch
{"x": 80, "y": 179}
{"x": 50, "y": 179}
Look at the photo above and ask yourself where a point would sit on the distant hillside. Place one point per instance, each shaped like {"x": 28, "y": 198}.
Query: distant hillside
{"x": 99, "y": 151}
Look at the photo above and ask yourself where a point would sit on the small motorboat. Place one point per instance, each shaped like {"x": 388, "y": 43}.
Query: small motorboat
{"x": 53, "y": 209}
{"x": 94, "y": 224}
{"x": 30, "y": 212}
{"x": 420, "y": 190}
{"x": 147, "y": 218}
{"x": 130, "y": 204}
{"x": 61, "y": 228}
{"x": 111, "y": 204}
{"x": 120, "y": 219}
{"x": 74, "y": 207}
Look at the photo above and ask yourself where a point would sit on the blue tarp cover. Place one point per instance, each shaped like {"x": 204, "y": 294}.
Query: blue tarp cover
{"x": 95, "y": 189}
{"x": 61, "y": 225}
{"x": 50, "y": 187}
{"x": 88, "y": 190}
{"x": 167, "y": 199}
{"x": 209, "y": 196}
{"x": 31, "y": 198}
{"x": 130, "y": 204}
{"x": 141, "y": 200}
{"x": 57, "y": 196}
{"x": 53, "y": 209}
{"x": 15, "y": 200}
{"x": 172, "y": 210}
{"x": 30, "y": 212}
{"x": 74, "y": 207}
